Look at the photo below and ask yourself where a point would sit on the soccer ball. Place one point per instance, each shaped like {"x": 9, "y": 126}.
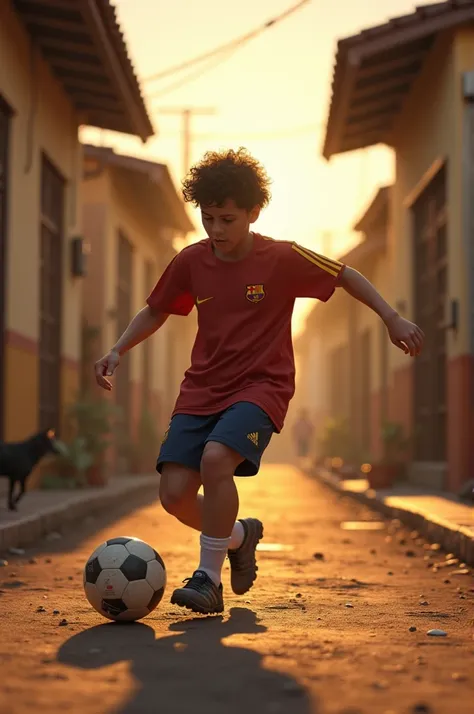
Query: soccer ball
{"x": 124, "y": 579}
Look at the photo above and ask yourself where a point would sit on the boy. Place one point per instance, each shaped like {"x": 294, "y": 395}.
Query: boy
{"x": 237, "y": 390}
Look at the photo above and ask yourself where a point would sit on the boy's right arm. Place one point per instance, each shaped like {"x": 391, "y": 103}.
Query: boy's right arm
{"x": 170, "y": 296}
{"x": 144, "y": 324}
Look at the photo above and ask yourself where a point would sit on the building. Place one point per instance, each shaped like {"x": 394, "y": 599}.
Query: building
{"x": 343, "y": 354}
{"x": 61, "y": 65}
{"x": 131, "y": 214}
{"x": 410, "y": 84}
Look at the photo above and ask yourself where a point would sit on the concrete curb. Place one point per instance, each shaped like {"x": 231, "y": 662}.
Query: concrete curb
{"x": 452, "y": 537}
{"x": 31, "y": 528}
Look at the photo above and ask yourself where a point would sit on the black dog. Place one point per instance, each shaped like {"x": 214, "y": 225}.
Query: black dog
{"x": 17, "y": 460}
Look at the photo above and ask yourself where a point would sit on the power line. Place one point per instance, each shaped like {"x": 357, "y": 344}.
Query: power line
{"x": 190, "y": 77}
{"x": 236, "y": 43}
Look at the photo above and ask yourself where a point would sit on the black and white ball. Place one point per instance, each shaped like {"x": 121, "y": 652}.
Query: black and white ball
{"x": 124, "y": 579}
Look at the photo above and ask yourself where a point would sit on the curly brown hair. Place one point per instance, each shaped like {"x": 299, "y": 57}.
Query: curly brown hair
{"x": 228, "y": 174}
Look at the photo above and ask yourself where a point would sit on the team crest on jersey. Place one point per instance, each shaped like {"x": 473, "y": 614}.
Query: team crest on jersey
{"x": 255, "y": 293}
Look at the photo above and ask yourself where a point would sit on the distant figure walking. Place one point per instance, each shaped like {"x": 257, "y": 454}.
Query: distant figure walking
{"x": 303, "y": 430}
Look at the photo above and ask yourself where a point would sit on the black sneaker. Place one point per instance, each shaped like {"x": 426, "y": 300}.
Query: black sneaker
{"x": 200, "y": 594}
{"x": 243, "y": 563}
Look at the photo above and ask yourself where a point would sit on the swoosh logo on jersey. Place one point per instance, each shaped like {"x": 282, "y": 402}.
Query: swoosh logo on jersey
{"x": 199, "y": 302}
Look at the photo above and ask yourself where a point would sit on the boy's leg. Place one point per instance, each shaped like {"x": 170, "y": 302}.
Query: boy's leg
{"x": 179, "y": 488}
{"x": 234, "y": 447}
{"x": 203, "y": 591}
{"x": 247, "y": 429}
{"x": 179, "y": 496}
{"x": 219, "y": 507}
{"x": 221, "y": 500}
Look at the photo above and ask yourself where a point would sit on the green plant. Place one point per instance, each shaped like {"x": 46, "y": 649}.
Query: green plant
{"x": 394, "y": 442}
{"x": 50, "y": 482}
{"x": 74, "y": 456}
{"x": 93, "y": 421}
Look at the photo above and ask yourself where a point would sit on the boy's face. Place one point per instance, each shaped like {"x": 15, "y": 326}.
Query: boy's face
{"x": 228, "y": 225}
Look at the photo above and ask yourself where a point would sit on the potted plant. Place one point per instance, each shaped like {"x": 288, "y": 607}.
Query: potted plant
{"x": 92, "y": 423}
{"x": 73, "y": 461}
{"x": 383, "y": 473}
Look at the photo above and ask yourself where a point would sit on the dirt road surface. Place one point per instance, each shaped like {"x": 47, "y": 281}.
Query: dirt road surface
{"x": 325, "y": 630}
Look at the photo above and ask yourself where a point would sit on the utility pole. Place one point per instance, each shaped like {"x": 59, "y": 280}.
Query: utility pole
{"x": 186, "y": 114}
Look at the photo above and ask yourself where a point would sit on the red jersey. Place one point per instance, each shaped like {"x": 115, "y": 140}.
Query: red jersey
{"x": 243, "y": 349}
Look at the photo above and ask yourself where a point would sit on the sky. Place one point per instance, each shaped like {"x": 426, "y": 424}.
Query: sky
{"x": 271, "y": 96}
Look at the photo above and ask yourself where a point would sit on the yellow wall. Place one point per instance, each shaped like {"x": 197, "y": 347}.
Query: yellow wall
{"x": 430, "y": 128}
{"x": 21, "y": 392}
{"x": 53, "y": 130}
{"x": 69, "y": 390}
{"x": 94, "y": 226}
{"x": 112, "y": 204}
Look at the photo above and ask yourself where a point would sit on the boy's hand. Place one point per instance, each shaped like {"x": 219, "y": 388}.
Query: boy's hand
{"x": 405, "y": 335}
{"x": 106, "y": 366}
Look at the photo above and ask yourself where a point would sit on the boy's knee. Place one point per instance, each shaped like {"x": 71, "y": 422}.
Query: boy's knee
{"x": 177, "y": 489}
{"x": 172, "y": 501}
{"x": 218, "y": 462}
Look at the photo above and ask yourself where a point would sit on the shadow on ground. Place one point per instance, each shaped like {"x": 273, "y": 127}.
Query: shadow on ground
{"x": 190, "y": 671}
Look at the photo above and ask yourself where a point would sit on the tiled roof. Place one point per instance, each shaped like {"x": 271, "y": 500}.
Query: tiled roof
{"x": 171, "y": 207}
{"x": 374, "y": 70}
{"x": 82, "y": 42}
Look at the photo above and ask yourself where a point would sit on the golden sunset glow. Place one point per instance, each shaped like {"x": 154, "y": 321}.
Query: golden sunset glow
{"x": 270, "y": 96}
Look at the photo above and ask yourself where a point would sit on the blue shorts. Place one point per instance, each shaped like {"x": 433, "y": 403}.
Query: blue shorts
{"x": 243, "y": 427}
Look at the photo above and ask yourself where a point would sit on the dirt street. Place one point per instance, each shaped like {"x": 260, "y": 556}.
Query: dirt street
{"x": 325, "y": 630}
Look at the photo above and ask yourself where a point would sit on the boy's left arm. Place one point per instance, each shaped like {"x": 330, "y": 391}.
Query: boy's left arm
{"x": 403, "y": 333}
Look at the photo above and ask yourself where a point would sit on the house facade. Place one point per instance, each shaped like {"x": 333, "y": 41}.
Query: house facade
{"x": 343, "y": 353}
{"x": 60, "y": 67}
{"x": 131, "y": 214}
{"x": 410, "y": 85}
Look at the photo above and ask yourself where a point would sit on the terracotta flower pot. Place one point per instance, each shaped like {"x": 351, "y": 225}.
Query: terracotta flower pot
{"x": 95, "y": 475}
{"x": 383, "y": 475}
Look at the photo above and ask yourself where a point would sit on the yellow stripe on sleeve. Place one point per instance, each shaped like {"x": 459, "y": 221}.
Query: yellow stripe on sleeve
{"x": 331, "y": 269}
{"x": 322, "y": 258}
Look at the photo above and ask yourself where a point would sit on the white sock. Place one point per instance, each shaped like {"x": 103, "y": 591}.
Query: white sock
{"x": 213, "y": 554}
{"x": 237, "y": 536}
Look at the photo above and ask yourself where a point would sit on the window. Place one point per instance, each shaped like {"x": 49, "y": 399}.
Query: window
{"x": 430, "y": 290}
{"x": 5, "y": 115}
{"x": 51, "y": 242}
